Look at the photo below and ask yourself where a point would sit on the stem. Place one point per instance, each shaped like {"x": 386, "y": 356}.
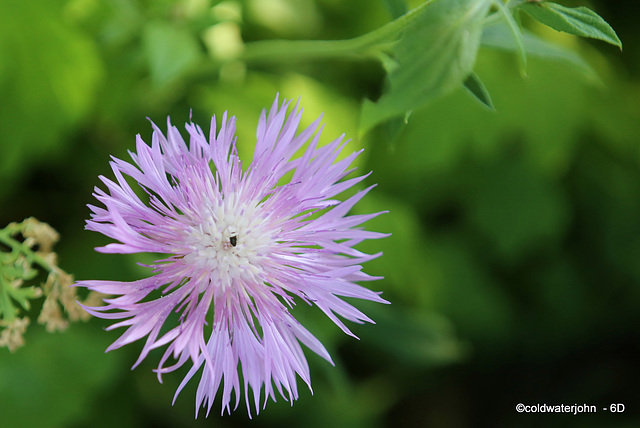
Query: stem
{"x": 510, "y": 4}
{"x": 365, "y": 45}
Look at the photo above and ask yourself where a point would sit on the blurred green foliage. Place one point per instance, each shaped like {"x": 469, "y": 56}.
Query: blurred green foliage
{"x": 513, "y": 265}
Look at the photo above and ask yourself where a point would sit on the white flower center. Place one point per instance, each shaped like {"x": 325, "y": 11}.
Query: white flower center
{"x": 229, "y": 243}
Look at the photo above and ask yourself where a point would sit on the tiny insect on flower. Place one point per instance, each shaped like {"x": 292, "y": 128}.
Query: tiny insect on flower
{"x": 240, "y": 246}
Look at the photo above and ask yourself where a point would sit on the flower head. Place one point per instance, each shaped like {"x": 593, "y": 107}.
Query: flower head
{"x": 240, "y": 246}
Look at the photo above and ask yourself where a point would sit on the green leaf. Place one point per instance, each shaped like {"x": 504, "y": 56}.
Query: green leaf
{"x": 171, "y": 51}
{"x": 497, "y": 36}
{"x": 579, "y": 21}
{"x": 435, "y": 55}
{"x": 476, "y": 88}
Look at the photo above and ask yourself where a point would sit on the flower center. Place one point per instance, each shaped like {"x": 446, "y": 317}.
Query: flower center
{"x": 228, "y": 244}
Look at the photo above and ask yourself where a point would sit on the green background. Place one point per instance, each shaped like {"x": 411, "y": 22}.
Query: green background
{"x": 513, "y": 268}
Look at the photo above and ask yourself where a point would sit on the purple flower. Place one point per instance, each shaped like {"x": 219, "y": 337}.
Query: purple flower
{"x": 240, "y": 245}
